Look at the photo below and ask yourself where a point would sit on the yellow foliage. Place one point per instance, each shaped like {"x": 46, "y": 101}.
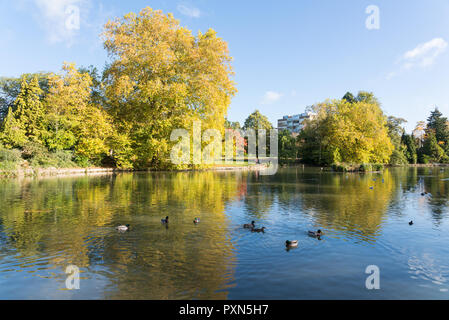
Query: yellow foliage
{"x": 70, "y": 110}
{"x": 354, "y": 132}
{"x": 162, "y": 78}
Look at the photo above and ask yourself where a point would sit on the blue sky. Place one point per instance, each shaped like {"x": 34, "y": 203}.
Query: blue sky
{"x": 287, "y": 54}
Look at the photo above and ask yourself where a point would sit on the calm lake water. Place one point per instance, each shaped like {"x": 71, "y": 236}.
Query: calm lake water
{"x": 48, "y": 224}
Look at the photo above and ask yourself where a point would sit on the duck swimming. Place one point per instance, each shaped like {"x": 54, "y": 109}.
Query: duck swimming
{"x": 123, "y": 228}
{"x": 251, "y": 225}
{"x": 315, "y": 234}
{"x": 258, "y": 229}
{"x": 196, "y": 221}
{"x": 411, "y": 223}
{"x": 291, "y": 243}
{"x": 165, "y": 220}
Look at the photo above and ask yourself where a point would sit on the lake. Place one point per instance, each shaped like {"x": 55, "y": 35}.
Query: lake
{"x": 48, "y": 224}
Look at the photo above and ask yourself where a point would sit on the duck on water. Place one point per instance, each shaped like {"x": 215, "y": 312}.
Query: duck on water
{"x": 251, "y": 225}
{"x": 291, "y": 243}
{"x": 123, "y": 227}
{"x": 315, "y": 234}
{"x": 258, "y": 229}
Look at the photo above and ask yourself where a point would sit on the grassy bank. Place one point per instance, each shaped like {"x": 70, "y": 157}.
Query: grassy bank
{"x": 12, "y": 168}
{"x": 345, "y": 167}
{"x": 364, "y": 167}
{"x": 377, "y": 167}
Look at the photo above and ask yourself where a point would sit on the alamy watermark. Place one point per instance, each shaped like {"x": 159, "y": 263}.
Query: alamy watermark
{"x": 372, "y": 22}
{"x": 72, "y": 20}
{"x": 373, "y": 280}
{"x": 73, "y": 280}
{"x": 207, "y": 147}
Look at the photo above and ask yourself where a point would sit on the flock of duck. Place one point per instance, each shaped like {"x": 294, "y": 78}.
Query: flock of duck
{"x": 126, "y": 227}
{"x": 289, "y": 243}
{"x": 250, "y": 226}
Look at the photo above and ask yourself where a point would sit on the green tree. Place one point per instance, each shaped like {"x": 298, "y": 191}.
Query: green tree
{"x": 411, "y": 150}
{"x": 10, "y": 89}
{"x": 29, "y": 110}
{"x": 232, "y": 125}
{"x": 287, "y": 147}
{"x": 439, "y": 125}
{"x": 312, "y": 141}
{"x": 257, "y": 121}
{"x": 368, "y": 97}
{"x": 432, "y": 152}
{"x": 349, "y": 97}
{"x": 395, "y": 129}
{"x": 11, "y": 133}
{"x": 395, "y": 132}
{"x": 97, "y": 92}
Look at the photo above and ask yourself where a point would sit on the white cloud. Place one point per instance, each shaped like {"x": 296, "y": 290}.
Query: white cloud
{"x": 271, "y": 97}
{"x": 61, "y": 18}
{"x": 191, "y": 12}
{"x": 424, "y": 55}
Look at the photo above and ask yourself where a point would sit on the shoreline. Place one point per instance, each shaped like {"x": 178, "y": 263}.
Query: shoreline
{"x": 385, "y": 166}
{"x": 422, "y": 165}
{"x": 93, "y": 171}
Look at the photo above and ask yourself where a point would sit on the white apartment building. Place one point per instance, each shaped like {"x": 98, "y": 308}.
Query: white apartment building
{"x": 294, "y": 123}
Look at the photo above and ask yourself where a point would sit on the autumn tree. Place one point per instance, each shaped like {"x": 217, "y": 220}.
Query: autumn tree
{"x": 73, "y": 120}
{"x": 347, "y": 132}
{"x": 161, "y": 78}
